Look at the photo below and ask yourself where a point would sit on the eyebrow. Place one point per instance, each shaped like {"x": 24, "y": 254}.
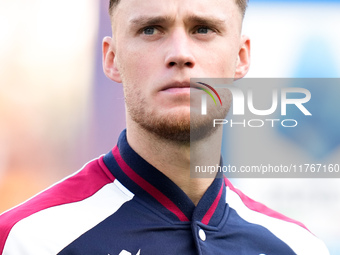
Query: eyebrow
{"x": 150, "y": 20}
{"x": 154, "y": 20}
{"x": 206, "y": 20}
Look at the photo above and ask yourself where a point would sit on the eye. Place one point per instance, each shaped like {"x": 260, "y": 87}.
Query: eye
{"x": 203, "y": 30}
{"x": 149, "y": 30}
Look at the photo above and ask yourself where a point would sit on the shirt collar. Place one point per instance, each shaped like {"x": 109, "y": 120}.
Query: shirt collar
{"x": 153, "y": 188}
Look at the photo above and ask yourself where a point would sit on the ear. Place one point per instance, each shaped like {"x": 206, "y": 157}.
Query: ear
{"x": 243, "y": 60}
{"x": 110, "y": 61}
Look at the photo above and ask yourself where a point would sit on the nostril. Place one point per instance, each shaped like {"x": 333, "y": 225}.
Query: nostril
{"x": 189, "y": 64}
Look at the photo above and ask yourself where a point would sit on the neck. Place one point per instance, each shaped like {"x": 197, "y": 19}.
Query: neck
{"x": 173, "y": 158}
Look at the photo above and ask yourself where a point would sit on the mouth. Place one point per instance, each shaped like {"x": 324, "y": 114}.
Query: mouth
{"x": 180, "y": 87}
{"x": 176, "y": 87}
{"x": 179, "y": 93}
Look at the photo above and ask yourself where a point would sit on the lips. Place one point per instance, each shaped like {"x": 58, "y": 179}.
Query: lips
{"x": 176, "y": 86}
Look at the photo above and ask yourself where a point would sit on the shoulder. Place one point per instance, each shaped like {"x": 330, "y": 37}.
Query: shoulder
{"x": 46, "y": 217}
{"x": 290, "y": 231}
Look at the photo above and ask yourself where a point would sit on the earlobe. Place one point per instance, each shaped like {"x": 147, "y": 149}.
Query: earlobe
{"x": 110, "y": 61}
{"x": 243, "y": 61}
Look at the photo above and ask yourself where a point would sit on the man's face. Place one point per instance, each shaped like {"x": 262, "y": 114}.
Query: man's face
{"x": 159, "y": 45}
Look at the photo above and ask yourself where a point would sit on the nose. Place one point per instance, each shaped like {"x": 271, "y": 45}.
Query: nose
{"x": 180, "y": 52}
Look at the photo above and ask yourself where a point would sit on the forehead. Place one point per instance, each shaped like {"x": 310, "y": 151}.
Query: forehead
{"x": 180, "y": 10}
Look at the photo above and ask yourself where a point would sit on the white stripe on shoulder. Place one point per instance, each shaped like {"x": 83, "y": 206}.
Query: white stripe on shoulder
{"x": 52, "y": 229}
{"x": 300, "y": 240}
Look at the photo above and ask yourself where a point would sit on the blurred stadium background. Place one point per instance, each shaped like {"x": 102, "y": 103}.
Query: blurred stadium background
{"x": 58, "y": 110}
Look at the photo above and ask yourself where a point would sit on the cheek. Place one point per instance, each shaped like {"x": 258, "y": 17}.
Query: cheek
{"x": 135, "y": 66}
{"x": 223, "y": 66}
{"x": 221, "y": 63}
{"x": 130, "y": 68}
{"x": 135, "y": 75}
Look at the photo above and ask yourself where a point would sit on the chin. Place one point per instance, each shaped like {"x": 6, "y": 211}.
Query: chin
{"x": 177, "y": 124}
{"x": 181, "y": 128}
{"x": 171, "y": 126}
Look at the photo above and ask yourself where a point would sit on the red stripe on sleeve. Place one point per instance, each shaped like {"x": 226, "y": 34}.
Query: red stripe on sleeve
{"x": 82, "y": 185}
{"x": 154, "y": 192}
